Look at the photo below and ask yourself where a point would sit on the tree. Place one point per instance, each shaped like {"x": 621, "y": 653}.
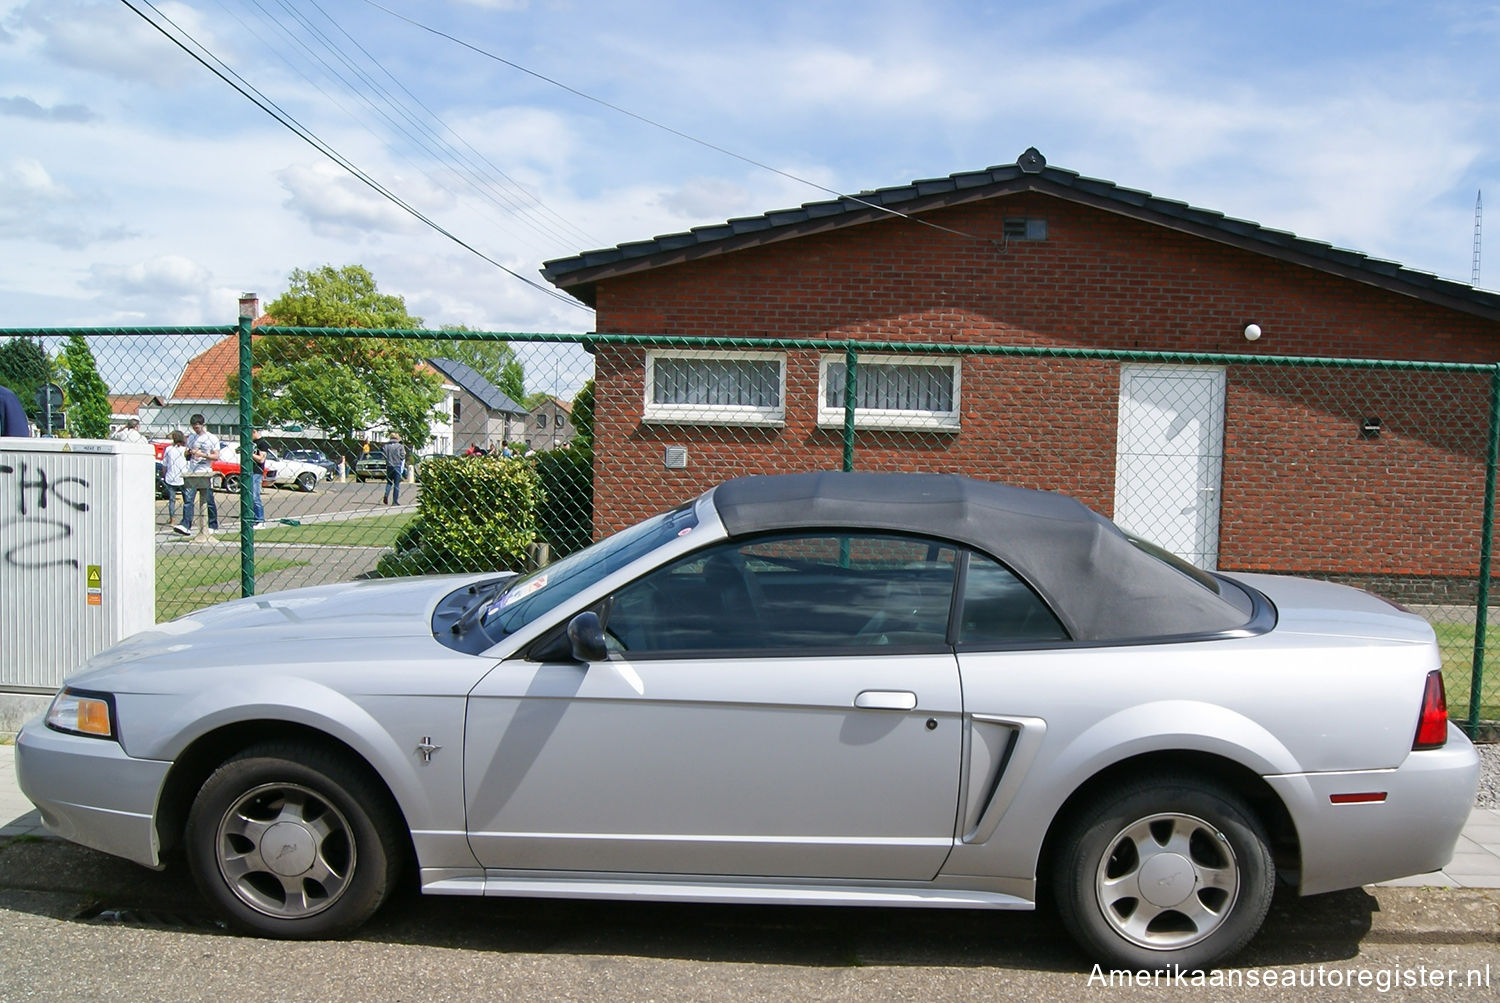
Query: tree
{"x": 339, "y": 297}
{"x": 344, "y": 385}
{"x": 583, "y": 416}
{"x": 24, "y": 366}
{"x": 88, "y": 396}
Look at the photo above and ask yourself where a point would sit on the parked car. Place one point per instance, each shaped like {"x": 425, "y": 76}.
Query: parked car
{"x": 858, "y": 689}
{"x": 227, "y": 468}
{"x": 316, "y": 457}
{"x": 285, "y": 472}
{"x": 370, "y": 465}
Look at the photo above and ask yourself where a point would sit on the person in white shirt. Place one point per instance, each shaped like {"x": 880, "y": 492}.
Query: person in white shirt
{"x": 173, "y": 466}
{"x": 130, "y": 433}
{"x": 202, "y": 450}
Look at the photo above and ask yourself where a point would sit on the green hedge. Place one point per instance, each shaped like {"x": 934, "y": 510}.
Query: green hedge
{"x": 475, "y": 513}
{"x": 566, "y": 518}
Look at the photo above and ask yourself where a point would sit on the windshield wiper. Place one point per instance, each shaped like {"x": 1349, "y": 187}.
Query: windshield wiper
{"x": 480, "y": 602}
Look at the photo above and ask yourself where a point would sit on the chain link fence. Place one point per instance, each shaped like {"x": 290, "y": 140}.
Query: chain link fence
{"x": 404, "y": 452}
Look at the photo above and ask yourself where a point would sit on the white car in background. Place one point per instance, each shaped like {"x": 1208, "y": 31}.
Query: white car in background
{"x": 283, "y": 472}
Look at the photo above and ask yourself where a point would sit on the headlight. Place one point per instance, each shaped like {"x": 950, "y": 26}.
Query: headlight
{"x": 80, "y": 712}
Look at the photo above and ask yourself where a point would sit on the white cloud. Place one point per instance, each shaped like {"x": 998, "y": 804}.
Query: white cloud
{"x": 107, "y": 38}
{"x": 167, "y": 277}
{"x": 336, "y": 204}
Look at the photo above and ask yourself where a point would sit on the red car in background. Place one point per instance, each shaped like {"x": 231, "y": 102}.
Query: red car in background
{"x": 226, "y": 467}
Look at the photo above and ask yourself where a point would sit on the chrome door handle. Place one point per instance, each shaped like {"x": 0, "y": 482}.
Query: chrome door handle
{"x": 886, "y": 700}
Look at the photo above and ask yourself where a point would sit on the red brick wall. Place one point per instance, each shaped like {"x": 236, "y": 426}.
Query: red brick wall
{"x": 1302, "y": 490}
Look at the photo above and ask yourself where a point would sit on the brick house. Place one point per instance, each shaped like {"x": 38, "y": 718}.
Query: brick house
{"x": 1347, "y": 472}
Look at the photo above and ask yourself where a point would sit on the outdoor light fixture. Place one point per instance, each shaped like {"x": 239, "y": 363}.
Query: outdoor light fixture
{"x": 1252, "y": 332}
{"x": 249, "y": 302}
{"x": 1369, "y": 428}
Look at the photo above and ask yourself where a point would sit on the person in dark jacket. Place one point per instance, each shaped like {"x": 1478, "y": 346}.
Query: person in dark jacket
{"x": 12, "y": 414}
{"x": 395, "y": 469}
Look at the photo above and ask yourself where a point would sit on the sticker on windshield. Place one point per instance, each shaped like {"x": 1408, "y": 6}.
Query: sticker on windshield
{"x": 515, "y": 594}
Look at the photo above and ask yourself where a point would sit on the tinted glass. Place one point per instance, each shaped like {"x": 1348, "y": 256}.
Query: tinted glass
{"x": 537, "y": 593}
{"x": 999, "y": 609}
{"x": 792, "y": 594}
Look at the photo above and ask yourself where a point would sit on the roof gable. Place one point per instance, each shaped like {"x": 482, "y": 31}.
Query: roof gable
{"x": 476, "y": 385}
{"x": 580, "y": 274}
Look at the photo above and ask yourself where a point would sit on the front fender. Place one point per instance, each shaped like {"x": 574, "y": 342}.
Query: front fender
{"x": 384, "y": 730}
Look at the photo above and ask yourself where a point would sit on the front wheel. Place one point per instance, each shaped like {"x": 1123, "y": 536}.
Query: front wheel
{"x": 1169, "y": 872}
{"x": 292, "y": 841}
{"x": 307, "y": 480}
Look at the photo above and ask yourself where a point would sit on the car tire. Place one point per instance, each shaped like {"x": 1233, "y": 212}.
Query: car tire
{"x": 307, "y": 480}
{"x": 232, "y": 484}
{"x": 1194, "y": 848}
{"x": 332, "y": 827}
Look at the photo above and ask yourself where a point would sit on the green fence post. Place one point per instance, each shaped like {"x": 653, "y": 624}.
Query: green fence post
{"x": 247, "y": 463}
{"x": 1486, "y": 550}
{"x": 851, "y": 363}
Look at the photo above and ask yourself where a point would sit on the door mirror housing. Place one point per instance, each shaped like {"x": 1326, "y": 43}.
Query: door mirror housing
{"x": 586, "y": 636}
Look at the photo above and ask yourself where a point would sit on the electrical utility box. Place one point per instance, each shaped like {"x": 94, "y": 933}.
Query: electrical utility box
{"x": 77, "y": 554}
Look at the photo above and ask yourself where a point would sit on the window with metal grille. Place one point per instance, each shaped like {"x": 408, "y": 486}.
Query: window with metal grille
{"x": 744, "y": 388}
{"x": 892, "y": 392}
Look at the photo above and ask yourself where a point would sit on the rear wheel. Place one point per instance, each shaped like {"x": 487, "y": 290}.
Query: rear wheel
{"x": 1168, "y": 872}
{"x": 293, "y": 841}
{"x": 307, "y": 480}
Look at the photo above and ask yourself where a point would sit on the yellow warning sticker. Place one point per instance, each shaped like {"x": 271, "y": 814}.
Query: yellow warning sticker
{"x": 96, "y": 580}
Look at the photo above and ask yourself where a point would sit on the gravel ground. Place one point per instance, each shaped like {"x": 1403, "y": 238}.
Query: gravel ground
{"x": 1489, "y": 776}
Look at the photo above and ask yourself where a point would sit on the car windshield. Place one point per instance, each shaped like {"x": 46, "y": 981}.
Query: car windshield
{"x": 541, "y": 591}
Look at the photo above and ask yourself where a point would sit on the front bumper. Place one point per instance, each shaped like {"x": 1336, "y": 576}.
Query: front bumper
{"x": 89, "y": 791}
{"x": 1428, "y": 799}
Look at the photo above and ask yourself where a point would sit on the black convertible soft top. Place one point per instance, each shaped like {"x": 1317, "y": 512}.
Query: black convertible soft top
{"x": 1102, "y": 586}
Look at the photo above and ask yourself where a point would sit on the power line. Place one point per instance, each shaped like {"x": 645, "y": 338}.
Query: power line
{"x": 249, "y": 91}
{"x": 667, "y": 128}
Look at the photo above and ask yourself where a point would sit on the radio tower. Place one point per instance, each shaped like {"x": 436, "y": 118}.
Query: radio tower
{"x": 1478, "y": 218}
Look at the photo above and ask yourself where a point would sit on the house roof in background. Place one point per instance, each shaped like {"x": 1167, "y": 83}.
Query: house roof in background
{"x": 580, "y": 274}
{"x": 127, "y": 405}
{"x": 477, "y": 385}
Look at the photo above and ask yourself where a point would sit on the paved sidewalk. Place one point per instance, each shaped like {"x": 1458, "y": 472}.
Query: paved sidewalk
{"x": 1476, "y": 862}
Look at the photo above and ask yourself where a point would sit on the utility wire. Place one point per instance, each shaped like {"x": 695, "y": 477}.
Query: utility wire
{"x": 249, "y": 91}
{"x": 362, "y": 86}
{"x": 667, "y": 128}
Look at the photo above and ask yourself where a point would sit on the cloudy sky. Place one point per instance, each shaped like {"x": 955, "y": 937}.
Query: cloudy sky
{"x": 136, "y": 187}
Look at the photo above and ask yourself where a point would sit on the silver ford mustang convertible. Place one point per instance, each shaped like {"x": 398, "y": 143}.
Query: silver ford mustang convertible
{"x": 857, "y": 689}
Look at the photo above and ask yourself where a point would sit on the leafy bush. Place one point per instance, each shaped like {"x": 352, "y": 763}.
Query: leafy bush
{"x": 566, "y": 518}
{"x": 475, "y": 513}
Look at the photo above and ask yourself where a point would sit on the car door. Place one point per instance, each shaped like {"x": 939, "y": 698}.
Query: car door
{"x": 785, "y": 707}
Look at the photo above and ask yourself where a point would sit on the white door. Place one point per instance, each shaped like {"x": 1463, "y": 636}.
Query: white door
{"x": 1169, "y": 458}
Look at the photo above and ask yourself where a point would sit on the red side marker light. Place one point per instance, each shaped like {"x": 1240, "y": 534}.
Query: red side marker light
{"x": 1369, "y": 797}
{"x": 1432, "y": 724}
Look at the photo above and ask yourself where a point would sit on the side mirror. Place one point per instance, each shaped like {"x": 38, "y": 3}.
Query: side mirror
{"x": 586, "y": 634}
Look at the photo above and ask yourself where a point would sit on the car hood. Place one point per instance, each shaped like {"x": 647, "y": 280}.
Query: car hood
{"x": 363, "y": 620}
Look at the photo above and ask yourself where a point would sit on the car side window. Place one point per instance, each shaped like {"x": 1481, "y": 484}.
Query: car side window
{"x": 1000, "y": 610}
{"x": 791, "y": 594}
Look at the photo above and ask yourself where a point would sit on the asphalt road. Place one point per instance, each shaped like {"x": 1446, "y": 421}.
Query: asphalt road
{"x": 79, "y": 925}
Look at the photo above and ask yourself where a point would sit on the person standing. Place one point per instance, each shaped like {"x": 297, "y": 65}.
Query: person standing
{"x": 173, "y": 466}
{"x": 12, "y": 414}
{"x": 257, "y": 475}
{"x": 202, "y": 450}
{"x": 395, "y": 469}
{"x": 130, "y": 433}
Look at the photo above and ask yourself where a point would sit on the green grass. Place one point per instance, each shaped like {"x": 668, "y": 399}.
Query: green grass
{"x": 1457, "y": 643}
{"x": 369, "y": 531}
{"x": 185, "y": 582}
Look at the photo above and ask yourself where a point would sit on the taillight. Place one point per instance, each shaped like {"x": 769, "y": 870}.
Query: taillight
{"x": 1432, "y": 725}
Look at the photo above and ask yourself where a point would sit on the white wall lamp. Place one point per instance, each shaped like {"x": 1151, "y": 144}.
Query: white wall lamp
{"x": 1252, "y": 332}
